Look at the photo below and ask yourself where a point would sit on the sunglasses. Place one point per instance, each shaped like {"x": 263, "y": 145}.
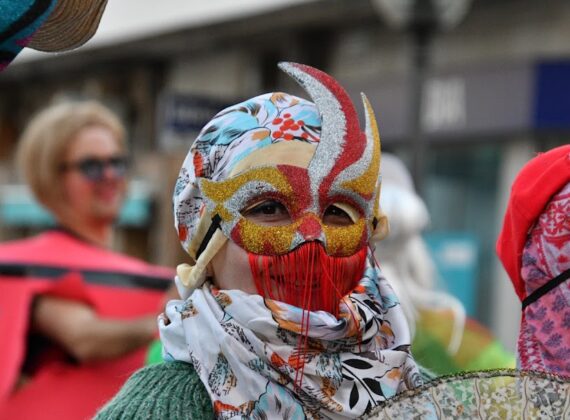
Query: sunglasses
{"x": 94, "y": 169}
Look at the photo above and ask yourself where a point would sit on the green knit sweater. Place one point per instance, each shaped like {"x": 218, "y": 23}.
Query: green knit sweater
{"x": 161, "y": 391}
{"x": 170, "y": 390}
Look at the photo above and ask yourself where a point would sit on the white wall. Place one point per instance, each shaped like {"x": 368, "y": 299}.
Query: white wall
{"x": 506, "y": 306}
{"x": 499, "y": 31}
{"x": 222, "y": 74}
{"x": 507, "y": 30}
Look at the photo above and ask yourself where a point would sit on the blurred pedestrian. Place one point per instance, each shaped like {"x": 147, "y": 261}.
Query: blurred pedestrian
{"x": 46, "y": 25}
{"x": 286, "y": 314}
{"x": 75, "y": 317}
{"x": 445, "y": 339}
{"x": 534, "y": 247}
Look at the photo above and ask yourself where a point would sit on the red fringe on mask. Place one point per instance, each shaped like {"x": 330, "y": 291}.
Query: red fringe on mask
{"x": 310, "y": 279}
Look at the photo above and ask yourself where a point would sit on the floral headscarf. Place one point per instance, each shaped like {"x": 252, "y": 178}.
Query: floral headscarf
{"x": 227, "y": 139}
{"x": 544, "y": 342}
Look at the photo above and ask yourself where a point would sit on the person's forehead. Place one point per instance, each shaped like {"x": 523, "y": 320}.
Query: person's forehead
{"x": 93, "y": 141}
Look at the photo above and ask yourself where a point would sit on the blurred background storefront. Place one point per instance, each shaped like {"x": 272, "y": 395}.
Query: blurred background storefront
{"x": 497, "y": 90}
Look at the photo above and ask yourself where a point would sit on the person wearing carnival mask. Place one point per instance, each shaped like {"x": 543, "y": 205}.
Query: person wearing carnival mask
{"x": 285, "y": 312}
{"x": 445, "y": 340}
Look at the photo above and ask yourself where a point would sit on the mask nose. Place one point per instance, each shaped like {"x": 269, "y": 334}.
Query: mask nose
{"x": 311, "y": 229}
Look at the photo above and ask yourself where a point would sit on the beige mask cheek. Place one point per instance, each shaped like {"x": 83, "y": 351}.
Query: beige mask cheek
{"x": 294, "y": 153}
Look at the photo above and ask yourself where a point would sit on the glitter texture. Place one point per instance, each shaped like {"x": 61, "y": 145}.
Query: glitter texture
{"x": 264, "y": 240}
{"x": 343, "y": 169}
{"x": 356, "y": 155}
{"x": 346, "y": 240}
{"x": 277, "y": 240}
{"x": 333, "y": 125}
{"x": 372, "y": 135}
{"x": 228, "y": 198}
{"x": 368, "y": 166}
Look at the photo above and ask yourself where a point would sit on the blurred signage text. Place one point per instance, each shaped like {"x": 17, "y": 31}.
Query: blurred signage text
{"x": 444, "y": 105}
{"x": 181, "y": 117}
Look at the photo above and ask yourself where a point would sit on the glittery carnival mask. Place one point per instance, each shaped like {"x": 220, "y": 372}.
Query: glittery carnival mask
{"x": 341, "y": 182}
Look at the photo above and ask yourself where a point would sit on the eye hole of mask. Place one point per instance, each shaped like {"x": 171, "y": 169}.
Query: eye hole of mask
{"x": 268, "y": 212}
{"x": 339, "y": 214}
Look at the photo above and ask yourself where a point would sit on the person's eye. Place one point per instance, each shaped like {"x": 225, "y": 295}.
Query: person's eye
{"x": 270, "y": 212}
{"x": 91, "y": 168}
{"x": 89, "y": 165}
{"x": 335, "y": 216}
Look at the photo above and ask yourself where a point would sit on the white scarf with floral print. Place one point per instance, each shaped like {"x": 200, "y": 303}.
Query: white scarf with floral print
{"x": 245, "y": 351}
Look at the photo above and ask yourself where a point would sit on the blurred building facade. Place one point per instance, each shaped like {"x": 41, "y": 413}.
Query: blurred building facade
{"x": 497, "y": 91}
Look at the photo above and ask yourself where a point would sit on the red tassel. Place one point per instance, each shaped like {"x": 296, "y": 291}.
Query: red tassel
{"x": 310, "y": 279}
{"x": 307, "y": 277}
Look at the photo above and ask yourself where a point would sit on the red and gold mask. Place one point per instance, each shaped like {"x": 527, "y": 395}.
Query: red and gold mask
{"x": 341, "y": 177}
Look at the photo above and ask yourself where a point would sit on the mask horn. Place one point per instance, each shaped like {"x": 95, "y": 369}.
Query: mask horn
{"x": 339, "y": 120}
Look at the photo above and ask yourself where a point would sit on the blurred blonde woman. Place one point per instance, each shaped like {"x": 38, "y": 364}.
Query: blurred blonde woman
{"x": 76, "y": 317}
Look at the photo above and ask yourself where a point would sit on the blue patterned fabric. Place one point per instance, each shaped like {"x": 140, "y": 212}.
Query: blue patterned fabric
{"x": 229, "y": 137}
{"x": 19, "y": 20}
